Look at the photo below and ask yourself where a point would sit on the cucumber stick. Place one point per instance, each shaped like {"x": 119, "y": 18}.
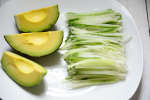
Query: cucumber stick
{"x": 94, "y": 48}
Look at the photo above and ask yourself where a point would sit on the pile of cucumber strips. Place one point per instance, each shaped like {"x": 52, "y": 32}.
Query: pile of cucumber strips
{"x": 94, "y": 48}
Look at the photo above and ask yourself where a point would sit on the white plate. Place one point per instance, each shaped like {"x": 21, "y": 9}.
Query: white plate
{"x": 51, "y": 88}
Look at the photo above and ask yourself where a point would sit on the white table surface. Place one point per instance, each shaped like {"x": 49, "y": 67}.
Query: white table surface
{"x": 139, "y": 10}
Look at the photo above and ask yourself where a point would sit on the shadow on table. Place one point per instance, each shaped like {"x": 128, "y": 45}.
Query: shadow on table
{"x": 2, "y": 2}
{"x": 137, "y": 93}
{"x": 49, "y": 60}
{"x": 37, "y": 90}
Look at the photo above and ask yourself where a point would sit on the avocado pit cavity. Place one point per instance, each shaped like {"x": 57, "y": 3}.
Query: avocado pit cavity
{"x": 35, "y": 17}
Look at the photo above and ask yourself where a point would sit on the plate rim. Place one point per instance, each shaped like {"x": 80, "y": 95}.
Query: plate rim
{"x": 140, "y": 45}
{"x": 124, "y": 9}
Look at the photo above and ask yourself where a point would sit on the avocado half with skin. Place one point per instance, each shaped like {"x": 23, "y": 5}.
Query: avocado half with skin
{"x": 37, "y": 20}
{"x": 23, "y": 71}
{"x": 35, "y": 44}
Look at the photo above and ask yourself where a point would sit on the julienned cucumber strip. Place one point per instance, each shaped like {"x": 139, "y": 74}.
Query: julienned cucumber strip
{"x": 95, "y": 53}
{"x": 76, "y": 55}
{"x": 87, "y": 42}
{"x": 110, "y": 65}
{"x": 108, "y": 12}
{"x": 84, "y": 83}
{"x": 106, "y": 17}
{"x": 84, "y": 30}
{"x": 95, "y": 76}
{"x": 102, "y": 28}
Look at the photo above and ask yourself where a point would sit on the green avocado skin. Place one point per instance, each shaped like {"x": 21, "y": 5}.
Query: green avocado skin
{"x": 37, "y": 54}
{"x": 45, "y": 28}
{"x": 4, "y": 66}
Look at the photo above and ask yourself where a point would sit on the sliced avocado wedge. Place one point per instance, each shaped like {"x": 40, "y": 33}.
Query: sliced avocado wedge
{"x": 37, "y": 20}
{"x": 35, "y": 44}
{"x": 23, "y": 71}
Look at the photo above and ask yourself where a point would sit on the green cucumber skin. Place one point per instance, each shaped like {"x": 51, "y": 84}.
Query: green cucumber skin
{"x": 84, "y": 34}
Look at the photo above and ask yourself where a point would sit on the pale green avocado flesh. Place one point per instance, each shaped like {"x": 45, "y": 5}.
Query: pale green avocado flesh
{"x": 37, "y": 20}
{"x": 35, "y": 44}
{"x": 23, "y": 71}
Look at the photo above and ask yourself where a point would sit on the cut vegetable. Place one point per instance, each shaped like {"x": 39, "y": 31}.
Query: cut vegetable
{"x": 37, "y": 20}
{"x": 23, "y": 71}
{"x": 37, "y": 43}
{"x": 95, "y": 52}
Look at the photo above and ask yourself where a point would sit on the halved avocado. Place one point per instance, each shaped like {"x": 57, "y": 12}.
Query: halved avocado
{"x": 37, "y": 20}
{"x": 23, "y": 71}
{"x": 37, "y": 43}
